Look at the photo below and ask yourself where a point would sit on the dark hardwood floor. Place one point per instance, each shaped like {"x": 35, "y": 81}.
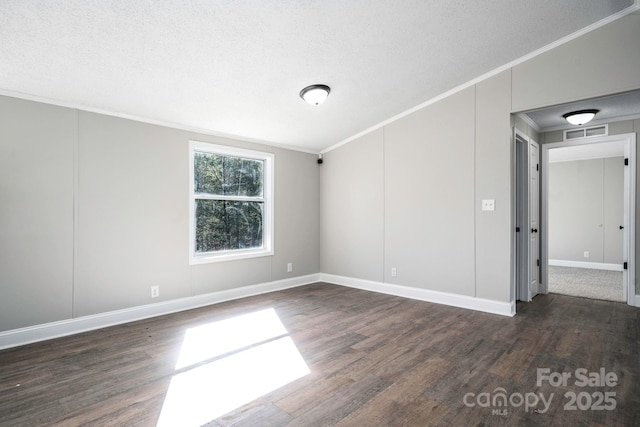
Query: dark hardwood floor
{"x": 372, "y": 359}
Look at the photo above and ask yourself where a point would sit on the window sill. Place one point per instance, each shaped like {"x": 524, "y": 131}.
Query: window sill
{"x": 229, "y": 256}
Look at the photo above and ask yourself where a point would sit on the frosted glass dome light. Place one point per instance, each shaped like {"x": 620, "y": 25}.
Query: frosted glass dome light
{"x": 580, "y": 117}
{"x": 315, "y": 94}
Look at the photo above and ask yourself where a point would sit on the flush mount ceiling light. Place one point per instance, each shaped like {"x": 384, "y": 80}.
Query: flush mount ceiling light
{"x": 315, "y": 94}
{"x": 580, "y": 117}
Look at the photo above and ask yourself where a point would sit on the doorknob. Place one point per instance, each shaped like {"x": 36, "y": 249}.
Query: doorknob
{"x": 621, "y": 227}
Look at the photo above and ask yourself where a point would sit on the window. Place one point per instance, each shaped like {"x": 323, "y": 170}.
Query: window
{"x": 600, "y": 130}
{"x": 231, "y": 207}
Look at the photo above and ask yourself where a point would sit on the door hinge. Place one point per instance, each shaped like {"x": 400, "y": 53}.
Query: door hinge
{"x": 626, "y": 162}
{"x": 625, "y": 266}
{"x": 537, "y": 263}
{"x": 517, "y": 229}
{"x": 537, "y": 166}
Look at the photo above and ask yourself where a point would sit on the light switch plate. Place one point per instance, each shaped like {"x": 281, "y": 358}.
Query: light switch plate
{"x": 489, "y": 205}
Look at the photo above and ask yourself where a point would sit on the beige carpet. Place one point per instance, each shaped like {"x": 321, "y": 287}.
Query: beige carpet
{"x": 586, "y": 282}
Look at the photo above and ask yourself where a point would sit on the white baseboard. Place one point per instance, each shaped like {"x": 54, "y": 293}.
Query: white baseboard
{"x": 17, "y": 337}
{"x": 462, "y": 301}
{"x": 582, "y": 264}
{"x": 637, "y": 301}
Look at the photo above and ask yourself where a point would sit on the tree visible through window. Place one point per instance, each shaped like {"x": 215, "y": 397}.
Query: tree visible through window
{"x": 231, "y": 207}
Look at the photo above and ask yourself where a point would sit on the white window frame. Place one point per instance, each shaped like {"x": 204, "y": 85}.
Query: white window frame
{"x": 267, "y": 184}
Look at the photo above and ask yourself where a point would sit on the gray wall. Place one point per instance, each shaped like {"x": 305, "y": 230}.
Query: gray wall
{"x": 37, "y": 144}
{"x": 95, "y": 211}
{"x": 430, "y": 171}
{"x": 602, "y": 62}
{"x": 493, "y": 181}
{"x": 586, "y": 210}
{"x": 352, "y": 209}
{"x": 463, "y": 143}
{"x": 429, "y": 205}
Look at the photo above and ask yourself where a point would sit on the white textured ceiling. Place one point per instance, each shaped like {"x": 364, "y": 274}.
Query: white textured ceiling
{"x": 236, "y": 67}
{"x": 612, "y": 108}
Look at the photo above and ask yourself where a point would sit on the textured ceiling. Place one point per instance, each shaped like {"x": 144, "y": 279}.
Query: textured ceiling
{"x": 611, "y": 108}
{"x": 236, "y": 68}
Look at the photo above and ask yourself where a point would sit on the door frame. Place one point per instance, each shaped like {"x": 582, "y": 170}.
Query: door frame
{"x": 629, "y": 275}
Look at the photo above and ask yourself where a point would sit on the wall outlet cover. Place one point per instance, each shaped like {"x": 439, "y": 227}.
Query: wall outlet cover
{"x": 489, "y": 205}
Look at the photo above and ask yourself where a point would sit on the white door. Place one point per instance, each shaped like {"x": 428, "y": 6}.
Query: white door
{"x": 534, "y": 218}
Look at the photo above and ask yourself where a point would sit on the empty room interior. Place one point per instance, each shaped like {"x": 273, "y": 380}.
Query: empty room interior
{"x": 319, "y": 213}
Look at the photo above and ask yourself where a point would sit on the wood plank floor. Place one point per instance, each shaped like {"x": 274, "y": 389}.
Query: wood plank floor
{"x": 373, "y": 360}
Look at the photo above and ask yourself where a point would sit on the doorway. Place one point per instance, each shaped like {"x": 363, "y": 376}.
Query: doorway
{"x": 586, "y": 221}
{"x": 615, "y": 114}
{"x": 582, "y": 208}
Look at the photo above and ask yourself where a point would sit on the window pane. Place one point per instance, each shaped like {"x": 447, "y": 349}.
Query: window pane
{"x": 229, "y": 176}
{"x": 227, "y": 225}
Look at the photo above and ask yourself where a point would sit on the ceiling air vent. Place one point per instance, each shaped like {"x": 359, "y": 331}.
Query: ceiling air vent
{"x": 601, "y": 130}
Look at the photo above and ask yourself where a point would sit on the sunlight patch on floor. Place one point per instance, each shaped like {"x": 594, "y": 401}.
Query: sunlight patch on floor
{"x": 205, "y": 392}
{"x": 225, "y": 336}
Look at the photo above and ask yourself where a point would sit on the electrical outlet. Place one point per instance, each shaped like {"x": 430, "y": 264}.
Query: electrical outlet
{"x": 489, "y": 205}
{"x": 394, "y": 272}
{"x": 155, "y": 291}
{"x": 289, "y": 267}
{"x": 586, "y": 254}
